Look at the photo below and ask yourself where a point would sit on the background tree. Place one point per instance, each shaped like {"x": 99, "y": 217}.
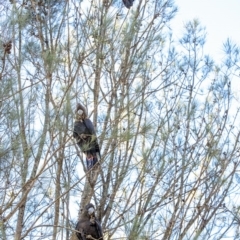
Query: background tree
{"x": 165, "y": 116}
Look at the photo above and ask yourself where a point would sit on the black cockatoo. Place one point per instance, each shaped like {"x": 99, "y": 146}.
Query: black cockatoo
{"x": 88, "y": 227}
{"x": 128, "y": 3}
{"x": 85, "y": 135}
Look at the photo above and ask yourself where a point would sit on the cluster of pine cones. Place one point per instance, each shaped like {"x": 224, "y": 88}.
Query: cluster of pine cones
{"x": 7, "y": 47}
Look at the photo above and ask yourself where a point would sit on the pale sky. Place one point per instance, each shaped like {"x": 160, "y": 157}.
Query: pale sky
{"x": 220, "y": 17}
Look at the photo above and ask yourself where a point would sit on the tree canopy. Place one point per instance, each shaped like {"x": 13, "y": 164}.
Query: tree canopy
{"x": 166, "y": 116}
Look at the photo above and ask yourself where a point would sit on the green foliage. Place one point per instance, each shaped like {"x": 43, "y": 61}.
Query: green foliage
{"x": 164, "y": 114}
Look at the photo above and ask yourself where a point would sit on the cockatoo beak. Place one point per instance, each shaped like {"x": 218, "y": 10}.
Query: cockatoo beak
{"x": 79, "y": 114}
{"x": 91, "y": 210}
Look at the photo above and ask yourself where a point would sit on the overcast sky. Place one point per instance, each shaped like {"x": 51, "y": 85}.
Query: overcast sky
{"x": 220, "y": 17}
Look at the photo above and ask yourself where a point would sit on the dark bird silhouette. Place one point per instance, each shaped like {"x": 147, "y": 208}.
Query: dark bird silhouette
{"x": 88, "y": 227}
{"x": 86, "y": 138}
{"x": 128, "y": 3}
